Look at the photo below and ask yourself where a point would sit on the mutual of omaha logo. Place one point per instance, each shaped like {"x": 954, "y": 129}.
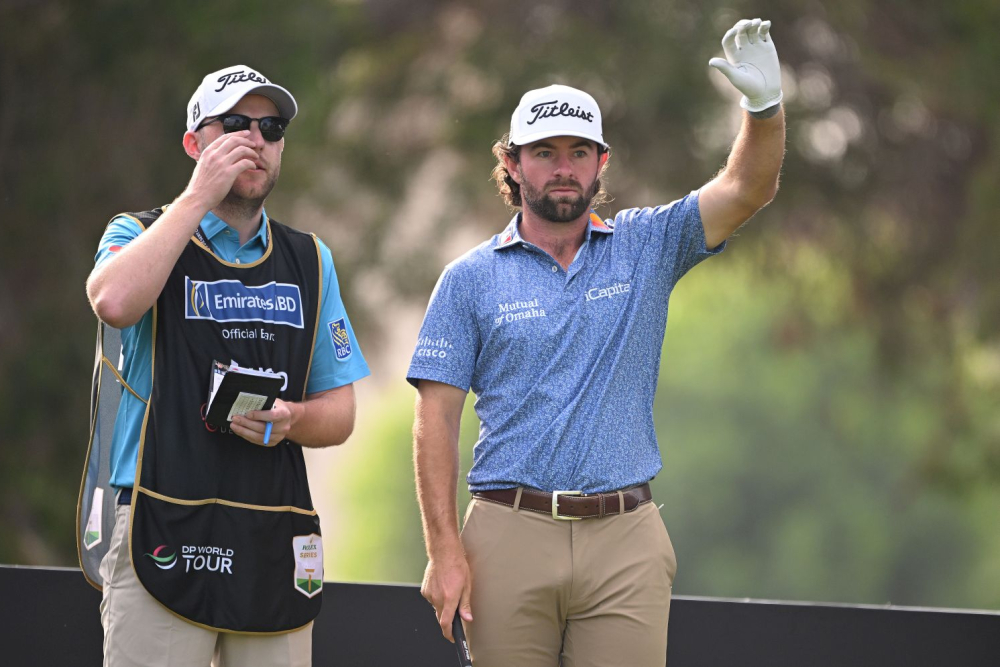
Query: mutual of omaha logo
{"x": 308, "y": 551}
{"x": 513, "y": 311}
{"x": 341, "y": 339}
{"x": 232, "y": 301}
{"x": 162, "y": 558}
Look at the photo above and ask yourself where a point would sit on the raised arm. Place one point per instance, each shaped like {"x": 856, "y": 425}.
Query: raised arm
{"x": 124, "y": 287}
{"x": 749, "y": 180}
{"x": 447, "y": 583}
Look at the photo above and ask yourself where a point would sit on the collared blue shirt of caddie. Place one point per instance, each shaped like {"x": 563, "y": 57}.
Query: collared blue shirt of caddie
{"x": 563, "y": 364}
{"x": 336, "y": 359}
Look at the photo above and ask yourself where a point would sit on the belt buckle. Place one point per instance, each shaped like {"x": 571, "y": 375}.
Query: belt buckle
{"x": 555, "y": 505}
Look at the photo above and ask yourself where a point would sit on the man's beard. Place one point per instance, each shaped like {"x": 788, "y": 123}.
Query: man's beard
{"x": 561, "y": 210}
{"x": 245, "y": 206}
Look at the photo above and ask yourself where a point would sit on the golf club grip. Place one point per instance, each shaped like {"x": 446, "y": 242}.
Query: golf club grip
{"x": 461, "y": 645}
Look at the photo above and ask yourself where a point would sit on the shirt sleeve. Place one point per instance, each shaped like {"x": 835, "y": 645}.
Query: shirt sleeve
{"x": 677, "y": 233}
{"x": 448, "y": 344}
{"x": 685, "y": 241}
{"x": 337, "y": 358}
{"x": 121, "y": 231}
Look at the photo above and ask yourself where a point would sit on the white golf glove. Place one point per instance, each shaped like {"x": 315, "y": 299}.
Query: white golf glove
{"x": 751, "y": 64}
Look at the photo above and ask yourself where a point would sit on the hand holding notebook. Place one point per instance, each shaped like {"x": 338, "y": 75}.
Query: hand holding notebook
{"x": 236, "y": 391}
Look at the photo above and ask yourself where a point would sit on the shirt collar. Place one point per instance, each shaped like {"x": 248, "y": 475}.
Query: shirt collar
{"x": 511, "y": 235}
{"x": 212, "y": 225}
{"x": 597, "y": 224}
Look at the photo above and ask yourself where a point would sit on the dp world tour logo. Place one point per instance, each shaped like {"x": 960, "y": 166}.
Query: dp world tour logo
{"x": 162, "y": 561}
{"x": 232, "y": 301}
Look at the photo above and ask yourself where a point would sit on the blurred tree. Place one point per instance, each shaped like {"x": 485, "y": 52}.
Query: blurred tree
{"x": 843, "y": 419}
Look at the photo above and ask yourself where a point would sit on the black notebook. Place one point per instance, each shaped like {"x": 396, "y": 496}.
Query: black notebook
{"x": 235, "y": 391}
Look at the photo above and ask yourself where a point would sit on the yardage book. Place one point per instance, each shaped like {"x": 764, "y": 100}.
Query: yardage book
{"x": 235, "y": 391}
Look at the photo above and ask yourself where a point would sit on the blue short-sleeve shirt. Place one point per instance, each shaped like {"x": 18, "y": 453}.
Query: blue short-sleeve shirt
{"x": 563, "y": 363}
{"x": 326, "y": 371}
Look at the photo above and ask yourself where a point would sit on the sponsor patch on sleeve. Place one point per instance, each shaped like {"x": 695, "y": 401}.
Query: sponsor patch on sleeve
{"x": 341, "y": 340}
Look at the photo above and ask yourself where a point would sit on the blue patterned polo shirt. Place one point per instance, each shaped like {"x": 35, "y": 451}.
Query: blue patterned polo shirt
{"x": 563, "y": 363}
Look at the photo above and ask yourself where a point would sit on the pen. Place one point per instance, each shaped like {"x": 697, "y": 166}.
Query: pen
{"x": 267, "y": 432}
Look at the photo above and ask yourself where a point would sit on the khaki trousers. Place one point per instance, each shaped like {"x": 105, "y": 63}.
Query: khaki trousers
{"x": 589, "y": 593}
{"x": 140, "y": 632}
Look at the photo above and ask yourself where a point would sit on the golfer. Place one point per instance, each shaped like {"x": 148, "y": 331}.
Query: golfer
{"x": 557, "y": 324}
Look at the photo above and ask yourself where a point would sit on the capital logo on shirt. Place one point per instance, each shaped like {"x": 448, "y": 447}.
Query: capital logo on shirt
{"x": 609, "y": 292}
{"x": 341, "y": 339}
{"x": 232, "y": 301}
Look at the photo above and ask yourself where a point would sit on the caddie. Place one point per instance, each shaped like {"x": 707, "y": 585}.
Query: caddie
{"x": 213, "y": 552}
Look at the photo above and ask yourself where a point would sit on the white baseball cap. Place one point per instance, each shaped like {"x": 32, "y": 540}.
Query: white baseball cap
{"x": 220, "y": 91}
{"x": 556, "y": 111}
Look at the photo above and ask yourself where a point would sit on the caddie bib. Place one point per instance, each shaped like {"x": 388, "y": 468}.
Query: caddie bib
{"x": 223, "y": 531}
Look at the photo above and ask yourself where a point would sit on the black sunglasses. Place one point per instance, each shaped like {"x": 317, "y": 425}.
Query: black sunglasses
{"x": 272, "y": 128}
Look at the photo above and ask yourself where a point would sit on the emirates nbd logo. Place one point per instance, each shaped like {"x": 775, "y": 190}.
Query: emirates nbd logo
{"x": 161, "y": 559}
{"x": 232, "y": 301}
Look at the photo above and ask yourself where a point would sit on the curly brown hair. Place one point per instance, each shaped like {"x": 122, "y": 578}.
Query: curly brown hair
{"x": 510, "y": 190}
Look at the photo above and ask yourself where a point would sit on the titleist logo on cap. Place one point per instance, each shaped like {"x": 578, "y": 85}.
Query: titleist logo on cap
{"x": 554, "y": 108}
{"x": 223, "y": 89}
{"x": 239, "y": 77}
{"x": 554, "y": 111}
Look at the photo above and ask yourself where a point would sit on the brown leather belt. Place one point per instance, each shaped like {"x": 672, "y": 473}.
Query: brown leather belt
{"x": 571, "y": 505}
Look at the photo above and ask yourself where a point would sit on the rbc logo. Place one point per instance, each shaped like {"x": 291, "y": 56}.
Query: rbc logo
{"x": 341, "y": 340}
